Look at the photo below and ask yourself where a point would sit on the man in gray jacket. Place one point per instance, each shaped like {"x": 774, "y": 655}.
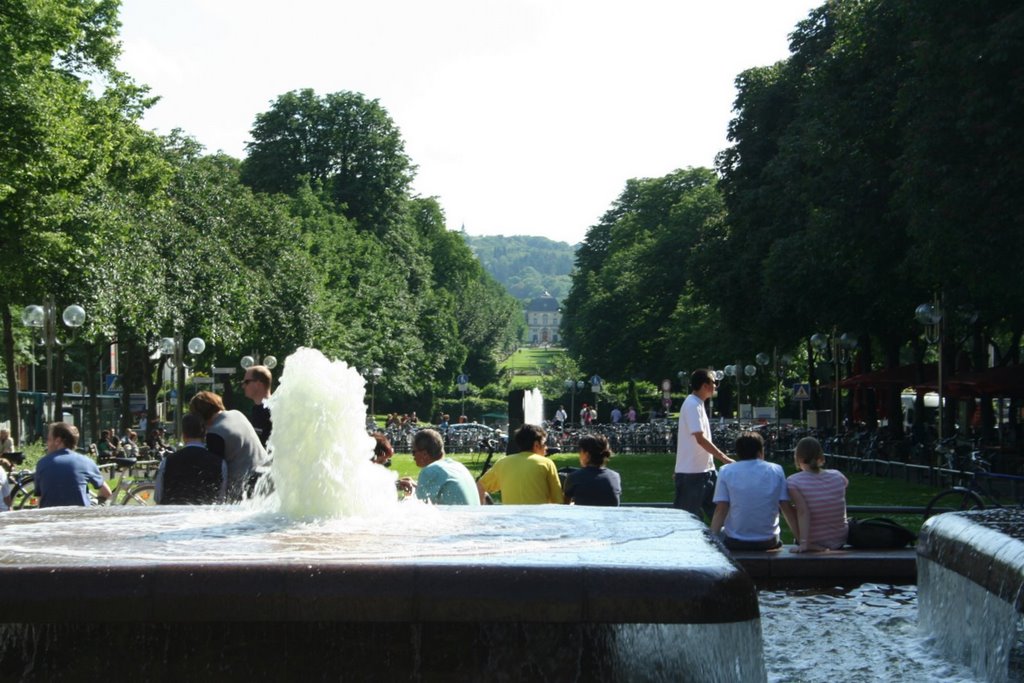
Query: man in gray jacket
{"x": 230, "y": 435}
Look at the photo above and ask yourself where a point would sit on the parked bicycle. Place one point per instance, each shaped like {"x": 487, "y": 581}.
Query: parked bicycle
{"x": 980, "y": 490}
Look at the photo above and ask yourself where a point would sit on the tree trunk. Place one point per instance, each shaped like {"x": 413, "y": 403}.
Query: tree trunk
{"x": 13, "y": 412}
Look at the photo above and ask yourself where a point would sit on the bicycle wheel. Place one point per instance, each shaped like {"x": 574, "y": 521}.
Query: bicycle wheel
{"x": 24, "y": 497}
{"x": 956, "y": 498}
{"x": 143, "y": 494}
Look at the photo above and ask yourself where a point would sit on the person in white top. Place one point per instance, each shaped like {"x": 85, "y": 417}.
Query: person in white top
{"x": 695, "y": 474}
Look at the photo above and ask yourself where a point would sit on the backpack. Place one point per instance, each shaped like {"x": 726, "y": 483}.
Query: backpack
{"x": 878, "y": 533}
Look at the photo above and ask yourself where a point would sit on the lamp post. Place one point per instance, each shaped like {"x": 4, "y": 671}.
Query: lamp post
{"x": 930, "y": 315}
{"x": 180, "y": 357}
{"x": 44, "y": 320}
{"x": 596, "y": 388}
{"x": 743, "y": 375}
{"x": 463, "y": 382}
{"x": 573, "y": 386}
{"x": 780, "y": 365}
{"x": 835, "y": 349}
{"x": 374, "y": 374}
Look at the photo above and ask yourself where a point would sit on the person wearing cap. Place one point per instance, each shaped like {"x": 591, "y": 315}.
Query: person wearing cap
{"x": 442, "y": 481}
{"x": 695, "y": 474}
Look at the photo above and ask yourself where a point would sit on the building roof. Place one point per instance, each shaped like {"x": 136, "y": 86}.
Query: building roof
{"x": 544, "y": 302}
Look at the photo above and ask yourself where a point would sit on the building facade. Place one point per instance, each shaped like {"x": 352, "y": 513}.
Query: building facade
{"x": 543, "y": 319}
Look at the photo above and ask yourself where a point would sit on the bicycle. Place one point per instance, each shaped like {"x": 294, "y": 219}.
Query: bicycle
{"x": 130, "y": 490}
{"x": 978, "y": 492}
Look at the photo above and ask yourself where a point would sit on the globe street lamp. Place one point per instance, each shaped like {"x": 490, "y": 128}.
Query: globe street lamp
{"x": 743, "y": 375}
{"x": 180, "y": 357}
{"x": 269, "y": 362}
{"x": 930, "y": 315}
{"x": 837, "y": 350}
{"x": 44, "y": 320}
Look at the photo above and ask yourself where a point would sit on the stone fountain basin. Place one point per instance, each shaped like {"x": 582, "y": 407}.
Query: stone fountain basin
{"x": 984, "y": 546}
{"x": 408, "y": 563}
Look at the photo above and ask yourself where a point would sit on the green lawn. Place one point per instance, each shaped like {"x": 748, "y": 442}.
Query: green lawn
{"x": 531, "y": 361}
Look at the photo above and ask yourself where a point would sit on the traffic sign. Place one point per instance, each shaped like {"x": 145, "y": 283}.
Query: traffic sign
{"x": 802, "y": 391}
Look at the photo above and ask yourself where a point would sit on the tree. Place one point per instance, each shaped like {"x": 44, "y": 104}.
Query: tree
{"x": 342, "y": 141}
{"x": 58, "y": 140}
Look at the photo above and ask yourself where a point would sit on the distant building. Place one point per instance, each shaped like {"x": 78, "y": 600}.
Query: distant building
{"x": 543, "y": 320}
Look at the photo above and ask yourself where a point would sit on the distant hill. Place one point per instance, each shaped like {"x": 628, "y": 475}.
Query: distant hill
{"x": 525, "y": 265}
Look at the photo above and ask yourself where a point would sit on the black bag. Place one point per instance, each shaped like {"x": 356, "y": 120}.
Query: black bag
{"x": 878, "y": 533}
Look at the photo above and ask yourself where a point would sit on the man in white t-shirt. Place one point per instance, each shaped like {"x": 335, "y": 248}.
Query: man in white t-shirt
{"x": 695, "y": 474}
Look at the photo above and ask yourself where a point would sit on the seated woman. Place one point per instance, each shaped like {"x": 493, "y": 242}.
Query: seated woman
{"x": 818, "y": 497}
{"x": 594, "y": 484}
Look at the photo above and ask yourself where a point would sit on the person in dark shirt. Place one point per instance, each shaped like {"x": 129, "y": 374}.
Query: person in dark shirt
{"x": 594, "y": 483}
{"x": 191, "y": 475}
{"x": 256, "y": 387}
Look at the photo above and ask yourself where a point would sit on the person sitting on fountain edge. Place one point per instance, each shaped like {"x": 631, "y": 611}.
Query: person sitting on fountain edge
{"x": 442, "y": 481}
{"x": 526, "y": 477}
{"x": 191, "y": 475}
{"x": 63, "y": 474}
{"x": 748, "y": 496}
{"x": 256, "y": 387}
{"x": 230, "y": 435}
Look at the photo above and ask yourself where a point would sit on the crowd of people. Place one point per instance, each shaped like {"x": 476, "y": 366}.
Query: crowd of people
{"x": 742, "y": 502}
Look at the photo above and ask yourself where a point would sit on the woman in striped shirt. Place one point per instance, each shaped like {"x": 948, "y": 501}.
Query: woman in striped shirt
{"x": 819, "y": 496}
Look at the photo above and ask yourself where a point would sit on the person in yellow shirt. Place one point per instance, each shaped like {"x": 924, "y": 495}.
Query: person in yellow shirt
{"x": 527, "y": 477}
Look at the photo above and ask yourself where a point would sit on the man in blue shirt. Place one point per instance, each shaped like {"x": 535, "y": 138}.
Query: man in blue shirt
{"x": 442, "y": 481}
{"x": 63, "y": 473}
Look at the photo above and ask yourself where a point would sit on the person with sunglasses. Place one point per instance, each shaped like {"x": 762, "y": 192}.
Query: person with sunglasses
{"x": 695, "y": 475}
{"x": 256, "y": 387}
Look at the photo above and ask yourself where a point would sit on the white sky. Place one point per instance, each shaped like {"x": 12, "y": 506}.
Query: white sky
{"x": 525, "y": 117}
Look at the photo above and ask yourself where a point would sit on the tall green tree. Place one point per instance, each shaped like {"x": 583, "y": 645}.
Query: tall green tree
{"x": 344, "y": 142}
{"x": 63, "y": 108}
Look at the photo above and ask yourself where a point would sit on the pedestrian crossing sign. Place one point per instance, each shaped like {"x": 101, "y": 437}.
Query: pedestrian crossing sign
{"x": 801, "y": 391}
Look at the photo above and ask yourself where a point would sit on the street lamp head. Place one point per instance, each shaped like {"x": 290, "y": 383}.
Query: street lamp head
{"x": 819, "y": 341}
{"x": 763, "y": 358}
{"x": 719, "y": 375}
{"x": 247, "y": 362}
{"x": 270, "y": 362}
{"x": 730, "y": 370}
{"x": 196, "y": 346}
{"x": 786, "y": 360}
{"x": 167, "y": 346}
{"x": 74, "y": 316}
{"x": 848, "y": 341}
{"x": 377, "y": 372}
{"x": 33, "y": 316}
{"x": 750, "y": 370}
{"x": 928, "y": 314}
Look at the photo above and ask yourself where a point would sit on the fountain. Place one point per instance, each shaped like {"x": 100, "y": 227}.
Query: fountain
{"x": 533, "y": 407}
{"x": 329, "y": 576}
{"x": 970, "y": 570}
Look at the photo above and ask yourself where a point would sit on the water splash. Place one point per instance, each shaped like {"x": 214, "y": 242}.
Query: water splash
{"x": 533, "y": 407}
{"x": 321, "y": 450}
